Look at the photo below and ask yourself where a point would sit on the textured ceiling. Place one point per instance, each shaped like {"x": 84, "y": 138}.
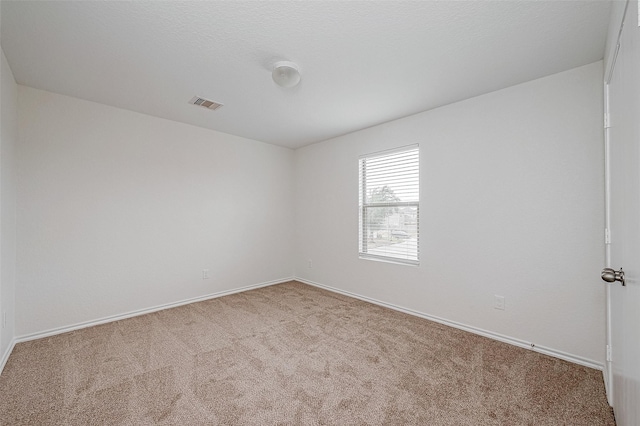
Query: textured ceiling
{"x": 362, "y": 63}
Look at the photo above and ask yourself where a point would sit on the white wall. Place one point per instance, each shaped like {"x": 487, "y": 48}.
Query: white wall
{"x": 119, "y": 211}
{"x": 512, "y": 204}
{"x": 615, "y": 19}
{"x": 8, "y": 140}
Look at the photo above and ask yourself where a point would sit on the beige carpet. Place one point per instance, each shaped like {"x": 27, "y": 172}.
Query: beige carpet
{"x": 290, "y": 354}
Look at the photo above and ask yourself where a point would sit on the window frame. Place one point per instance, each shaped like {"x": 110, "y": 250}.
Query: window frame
{"x": 363, "y": 206}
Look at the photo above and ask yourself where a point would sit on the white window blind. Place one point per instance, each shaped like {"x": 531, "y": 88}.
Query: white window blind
{"x": 389, "y": 205}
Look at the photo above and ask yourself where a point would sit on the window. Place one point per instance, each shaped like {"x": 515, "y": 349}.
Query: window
{"x": 389, "y": 205}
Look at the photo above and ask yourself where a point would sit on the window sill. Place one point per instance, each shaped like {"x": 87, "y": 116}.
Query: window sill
{"x": 388, "y": 260}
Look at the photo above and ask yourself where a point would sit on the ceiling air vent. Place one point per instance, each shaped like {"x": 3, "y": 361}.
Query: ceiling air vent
{"x": 196, "y": 100}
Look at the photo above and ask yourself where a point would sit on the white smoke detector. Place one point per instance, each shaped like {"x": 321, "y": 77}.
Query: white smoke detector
{"x": 286, "y": 74}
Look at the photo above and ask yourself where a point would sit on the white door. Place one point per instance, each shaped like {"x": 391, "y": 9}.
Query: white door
{"x": 624, "y": 221}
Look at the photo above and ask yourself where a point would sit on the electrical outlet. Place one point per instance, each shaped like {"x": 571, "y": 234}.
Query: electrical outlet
{"x": 205, "y": 274}
{"x": 498, "y": 302}
{"x": 310, "y": 263}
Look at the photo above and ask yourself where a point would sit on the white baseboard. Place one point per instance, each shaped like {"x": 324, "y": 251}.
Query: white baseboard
{"x": 502, "y": 338}
{"x": 506, "y": 339}
{"x": 85, "y": 324}
{"x": 607, "y": 383}
{"x": 5, "y": 355}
